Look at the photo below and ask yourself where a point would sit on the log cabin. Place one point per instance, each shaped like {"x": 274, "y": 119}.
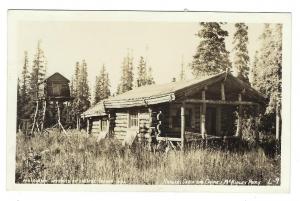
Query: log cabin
{"x": 179, "y": 112}
{"x": 54, "y": 87}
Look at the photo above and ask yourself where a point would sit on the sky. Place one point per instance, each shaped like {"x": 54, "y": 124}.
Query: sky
{"x": 164, "y": 44}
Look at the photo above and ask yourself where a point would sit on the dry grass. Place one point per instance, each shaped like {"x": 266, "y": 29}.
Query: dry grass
{"x": 78, "y": 158}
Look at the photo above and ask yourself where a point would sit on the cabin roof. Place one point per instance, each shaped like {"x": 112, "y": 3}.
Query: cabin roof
{"x": 55, "y": 76}
{"x": 96, "y": 110}
{"x": 155, "y": 90}
{"x": 164, "y": 93}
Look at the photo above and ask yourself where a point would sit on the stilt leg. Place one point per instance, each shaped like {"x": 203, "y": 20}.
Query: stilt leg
{"x": 60, "y": 126}
{"x": 43, "y": 118}
{"x": 35, "y": 116}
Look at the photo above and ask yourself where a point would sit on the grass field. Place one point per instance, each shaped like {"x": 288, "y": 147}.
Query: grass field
{"x": 78, "y": 158}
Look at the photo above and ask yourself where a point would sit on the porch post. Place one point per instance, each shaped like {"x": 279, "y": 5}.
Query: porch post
{"x": 99, "y": 125}
{"x": 88, "y": 126}
{"x": 182, "y": 125}
{"x": 109, "y": 123}
{"x": 203, "y": 130}
{"x": 256, "y": 123}
{"x": 150, "y": 129}
{"x": 239, "y": 120}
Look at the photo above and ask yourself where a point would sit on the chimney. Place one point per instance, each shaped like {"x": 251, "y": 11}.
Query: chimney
{"x": 174, "y": 79}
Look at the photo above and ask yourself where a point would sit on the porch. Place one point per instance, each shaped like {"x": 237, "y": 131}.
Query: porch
{"x": 200, "y": 119}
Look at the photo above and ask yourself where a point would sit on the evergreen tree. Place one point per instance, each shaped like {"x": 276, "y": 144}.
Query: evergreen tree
{"x": 75, "y": 104}
{"x": 37, "y": 75}
{"x": 84, "y": 87}
{"x": 255, "y": 71}
{"x": 274, "y": 72}
{"x": 241, "y": 57}
{"x": 76, "y": 79}
{"x": 102, "y": 85}
{"x": 19, "y": 104}
{"x": 25, "y": 76}
{"x": 126, "y": 82}
{"x": 150, "y": 79}
{"x": 81, "y": 92}
{"x": 265, "y": 61}
{"x": 142, "y": 78}
{"x": 182, "y": 75}
{"x": 72, "y": 87}
{"x": 267, "y": 73}
{"x": 97, "y": 90}
{"x": 24, "y": 88}
{"x": 211, "y": 55}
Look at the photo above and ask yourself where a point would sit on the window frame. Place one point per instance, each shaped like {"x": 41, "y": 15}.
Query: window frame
{"x": 101, "y": 125}
{"x": 134, "y": 114}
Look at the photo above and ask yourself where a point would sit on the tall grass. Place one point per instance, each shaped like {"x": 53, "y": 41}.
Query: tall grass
{"x": 80, "y": 158}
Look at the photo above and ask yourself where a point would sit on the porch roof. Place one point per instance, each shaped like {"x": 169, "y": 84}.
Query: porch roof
{"x": 96, "y": 110}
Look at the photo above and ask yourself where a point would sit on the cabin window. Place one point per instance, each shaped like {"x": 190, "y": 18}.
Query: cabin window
{"x": 133, "y": 119}
{"x": 103, "y": 125}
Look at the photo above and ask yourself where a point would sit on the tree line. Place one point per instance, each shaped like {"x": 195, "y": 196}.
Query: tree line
{"x": 27, "y": 86}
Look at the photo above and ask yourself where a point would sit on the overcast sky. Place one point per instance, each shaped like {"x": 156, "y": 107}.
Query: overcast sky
{"x": 162, "y": 43}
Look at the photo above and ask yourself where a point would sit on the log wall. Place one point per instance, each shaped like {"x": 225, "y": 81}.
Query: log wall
{"x": 121, "y": 125}
{"x": 95, "y": 127}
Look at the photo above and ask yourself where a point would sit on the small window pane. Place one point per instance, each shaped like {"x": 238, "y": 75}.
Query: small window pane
{"x": 103, "y": 125}
{"x": 133, "y": 119}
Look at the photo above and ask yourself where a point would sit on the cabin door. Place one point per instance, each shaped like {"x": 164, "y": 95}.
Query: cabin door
{"x": 210, "y": 122}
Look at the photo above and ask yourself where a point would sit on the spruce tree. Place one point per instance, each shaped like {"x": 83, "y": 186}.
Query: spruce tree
{"x": 19, "y": 104}
{"x": 76, "y": 103}
{"x": 97, "y": 90}
{"x": 102, "y": 86}
{"x": 76, "y": 79}
{"x": 267, "y": 74}
{"x": 255, "y": 71}
{"x": 142, "y": 78}
{"x": 241, "y": 57}
{"x": 85, "y": 91}
{"x": 150, "y": 79}
{"x": 37, "y": 75}
{"x": 40, "y": 63}
{"x": 106, "y": 84}
{"x": 182, "y": 75}
{"x": 126, "y": 81}
{"x": 81, "y": 92}
{"x": 274, "y": 72}
{"x": 211, "y": 55}
{"x": 24, "y": 88}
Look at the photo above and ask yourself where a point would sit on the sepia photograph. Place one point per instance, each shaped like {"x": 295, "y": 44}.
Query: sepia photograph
{"x": 132, "y": 98}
